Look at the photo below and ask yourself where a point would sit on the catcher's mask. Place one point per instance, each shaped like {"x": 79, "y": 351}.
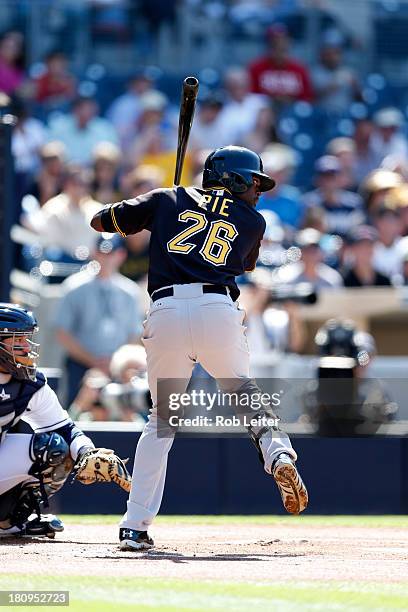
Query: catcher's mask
{"x": 234, "y": 168}
{"x": 18, "y": 351}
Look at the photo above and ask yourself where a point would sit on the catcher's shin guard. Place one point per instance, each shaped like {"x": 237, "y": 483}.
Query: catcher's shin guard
{"x": 20, "y": 513}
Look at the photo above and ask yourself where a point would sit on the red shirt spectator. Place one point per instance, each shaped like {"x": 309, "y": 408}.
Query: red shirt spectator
{"x": 56, "y": 84}
{"x": 276, "y": 74}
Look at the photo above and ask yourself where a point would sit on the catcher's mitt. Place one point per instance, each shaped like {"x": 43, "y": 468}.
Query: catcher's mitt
{"x": 101, "y": 465}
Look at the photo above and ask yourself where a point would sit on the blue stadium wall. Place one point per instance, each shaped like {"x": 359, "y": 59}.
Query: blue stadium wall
{"x": 224, "y": 476}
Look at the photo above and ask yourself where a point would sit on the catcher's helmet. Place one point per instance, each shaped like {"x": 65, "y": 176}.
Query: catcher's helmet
{"x": 234, "y": 168}
{"x": 17, "y": 357}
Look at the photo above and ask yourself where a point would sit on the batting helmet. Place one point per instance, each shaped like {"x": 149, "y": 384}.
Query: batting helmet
{"x": 234, "y": 168}
{"x": 18, "y": 352}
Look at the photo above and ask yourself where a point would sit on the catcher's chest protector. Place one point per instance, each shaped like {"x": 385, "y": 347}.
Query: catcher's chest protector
{"x": 14, "y": 399}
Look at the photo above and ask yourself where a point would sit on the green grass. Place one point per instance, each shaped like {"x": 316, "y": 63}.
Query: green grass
{"x": 284, "y": 520}
{"x": 106, "y": 594}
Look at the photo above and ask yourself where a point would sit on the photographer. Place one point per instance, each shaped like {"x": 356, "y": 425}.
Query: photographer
{"x": 273, "y": 321}
{"x": 343, "y": 401}
{"x": 123, "y": 397}
{"x": 87, "y": 405}
{"x": 127, "y": 396}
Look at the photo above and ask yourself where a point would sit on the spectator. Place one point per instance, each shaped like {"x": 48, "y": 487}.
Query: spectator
{"x": 209, "y": 130}
{"x": 105, "y": 184}
{"x": 310, "y": 268}
{"x": 342, "y": 207}
{"x": 28, "y": 136}
{"x": 125, "y": 110}
{"x": 111, "y": 318}
{"x": 278, "y": 76}
{"x": 335, "y": 84}
{"x": 365, "y": 160}
{"x": 56, "y": 87}
{"x": 122, "y": 397}
{"x": 64, "y": 224}
{"x": 344, "y": 149}
{"x": 360, "y": 272}
{"x": 153, "y": 127}
{"x": 87, "y": 405}
{"x": 264, "y": 132}
{"x": 376, "y": 187}
{"x": 155, "y": 142}
{"x": 388, "y": 254}
{"x": 11, "y": 62}
{"x": 128, "y": 395}
{"x": 396, "y": 164}
{"x": 397, "y": 198}
{"x": 271, "y": 327}
{"x": 48, "y": 181}
{"x": 404, "y": 275}
{"x": 242, "y": 108}
{"x": 284, "y": 200}
{"x": 354, "y": 403}
{"x": 128, "y": 362}
{"x": 315, "y": 218}
{"x": 81, "y": 130}
{"x": 141, "y": 180}
{"x": 272, "y": 253}
{"x": 387, "y": 138}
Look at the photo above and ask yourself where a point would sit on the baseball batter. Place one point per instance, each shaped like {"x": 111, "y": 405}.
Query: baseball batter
{"x": 201, "y": 240}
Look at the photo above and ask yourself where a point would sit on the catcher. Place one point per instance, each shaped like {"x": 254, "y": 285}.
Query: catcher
{"x": 39, "y": 443}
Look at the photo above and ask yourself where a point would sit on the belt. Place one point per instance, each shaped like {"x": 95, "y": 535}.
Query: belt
{"x": 168, "y": 291}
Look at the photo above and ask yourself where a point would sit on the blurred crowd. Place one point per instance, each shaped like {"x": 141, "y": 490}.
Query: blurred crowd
{"x": 346, "y": 224}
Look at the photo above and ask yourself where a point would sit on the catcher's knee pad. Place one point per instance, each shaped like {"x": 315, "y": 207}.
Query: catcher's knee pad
{"x": 52, "y": 462}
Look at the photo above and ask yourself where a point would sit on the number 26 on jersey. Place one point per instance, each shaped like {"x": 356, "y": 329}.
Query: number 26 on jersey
{"x": 217, "y": 243}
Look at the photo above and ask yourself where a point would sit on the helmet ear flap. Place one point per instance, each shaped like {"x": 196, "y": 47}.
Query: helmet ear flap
{"x": 238, "y": 183}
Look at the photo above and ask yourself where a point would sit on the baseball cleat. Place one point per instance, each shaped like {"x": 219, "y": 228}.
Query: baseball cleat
{"x": 131, "y": 539}
{"x": 45, "y": 526}
{"x": 291, "y": 487}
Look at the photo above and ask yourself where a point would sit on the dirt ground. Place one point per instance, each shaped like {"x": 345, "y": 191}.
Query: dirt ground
{"x": 234, "y": 553}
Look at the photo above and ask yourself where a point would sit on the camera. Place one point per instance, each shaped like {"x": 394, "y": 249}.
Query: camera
{"x": 345, "y": 402}
{"x": 133, "y": 396}
{"x": 301, "y": 293}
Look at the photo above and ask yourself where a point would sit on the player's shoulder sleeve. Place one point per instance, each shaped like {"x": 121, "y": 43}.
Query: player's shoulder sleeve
{"x": 44, "y": 412}
{"x": 131, "y": 216}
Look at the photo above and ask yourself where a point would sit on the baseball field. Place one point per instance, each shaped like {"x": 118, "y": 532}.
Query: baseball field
{"x": 220, "y": 563}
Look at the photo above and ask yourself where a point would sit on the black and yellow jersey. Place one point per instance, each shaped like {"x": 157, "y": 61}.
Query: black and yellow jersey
{"x": 197, "y": 235}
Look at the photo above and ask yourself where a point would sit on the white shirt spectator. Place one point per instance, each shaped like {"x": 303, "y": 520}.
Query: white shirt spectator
{"x": 239, "y": 118}
{"x": 67, "y": 226}
{"x": 388, "y": 259}
{"x": 327, "y": 277}
{"x": 26, "y": 141}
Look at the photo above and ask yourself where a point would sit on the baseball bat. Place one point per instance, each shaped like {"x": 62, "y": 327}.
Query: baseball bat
{"x": 188, "y": 101}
